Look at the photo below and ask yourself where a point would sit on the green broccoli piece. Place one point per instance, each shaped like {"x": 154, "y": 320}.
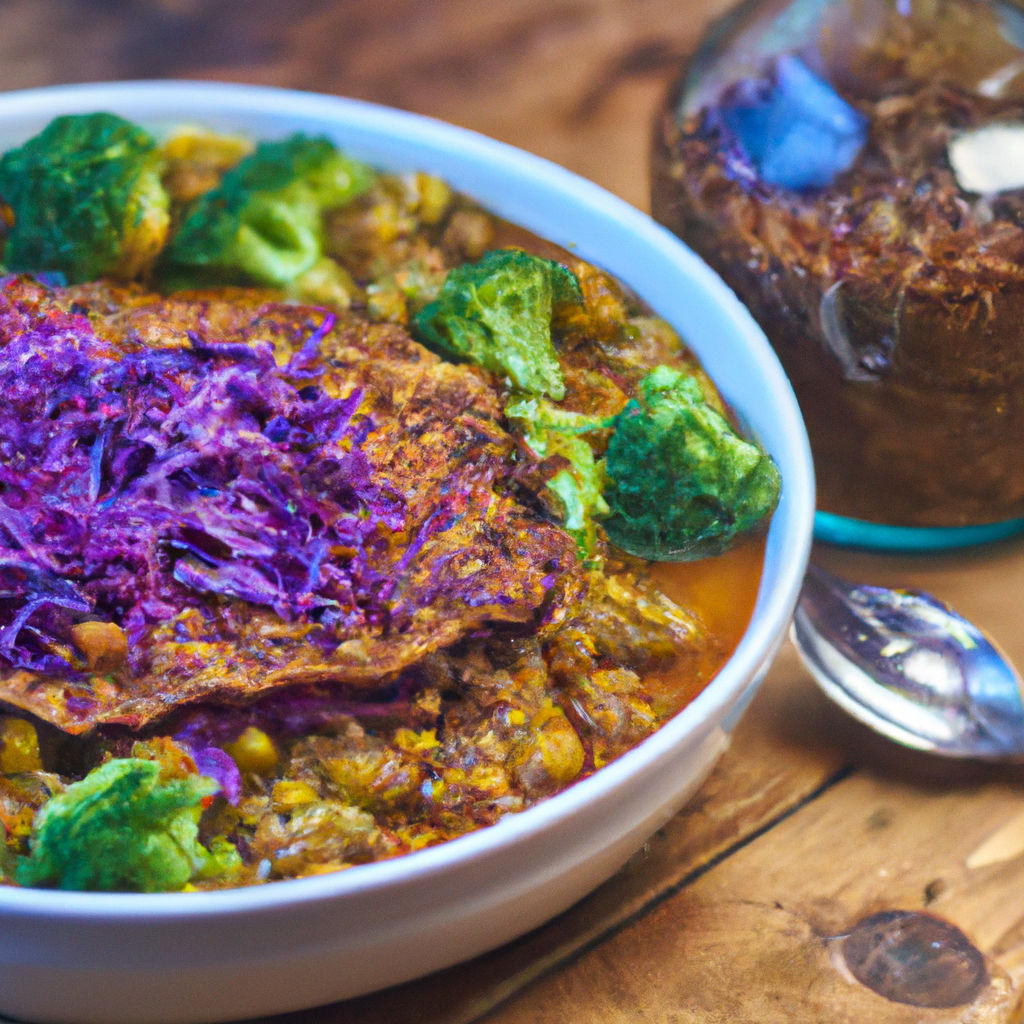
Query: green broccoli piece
{"x": 579, "y": 488}
{"x": 222, "y": 860}
{"x": 122, "y": 828}
{"x": 548, "y": 430}
{"x": 681, "y": 483}
{"x": 540, "y": 418}
{"x": 497, "y": 314}
{"x": 86, "y": 199}
{"x": 263, "y": 223}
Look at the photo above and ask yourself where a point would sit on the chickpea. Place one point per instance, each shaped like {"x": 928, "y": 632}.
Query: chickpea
{"x": 103, "y": 643}
{"x": 287, "y": 795}
{"x": 469, "y": 234}
{"x": 254, "y": 751}
{"x": 434, "y": 198}
{"x": 19, "y": 746}
{"x": 560, "y": 749}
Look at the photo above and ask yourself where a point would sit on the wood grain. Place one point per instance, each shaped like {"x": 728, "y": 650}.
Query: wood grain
{"x": 755, "y": 939}
{"x": 573, "y": 80}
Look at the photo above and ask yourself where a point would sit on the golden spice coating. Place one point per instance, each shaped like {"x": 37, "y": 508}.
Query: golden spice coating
{"x": 461, "y": 553}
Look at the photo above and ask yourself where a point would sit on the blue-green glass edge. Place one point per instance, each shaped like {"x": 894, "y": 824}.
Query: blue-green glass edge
{"x": 858, "y": 533}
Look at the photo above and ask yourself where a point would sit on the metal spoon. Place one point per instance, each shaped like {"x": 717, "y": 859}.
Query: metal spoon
{"x": 908, "y": 666}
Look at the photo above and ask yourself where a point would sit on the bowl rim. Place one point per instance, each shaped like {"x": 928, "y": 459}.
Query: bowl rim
{"x": 794, "y": 518}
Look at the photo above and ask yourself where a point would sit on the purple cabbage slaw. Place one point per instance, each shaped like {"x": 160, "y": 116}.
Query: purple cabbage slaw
{"x": 131, "y": 481}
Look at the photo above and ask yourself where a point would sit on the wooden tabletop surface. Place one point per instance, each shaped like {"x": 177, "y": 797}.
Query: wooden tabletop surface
{"x": 734, "y": 912}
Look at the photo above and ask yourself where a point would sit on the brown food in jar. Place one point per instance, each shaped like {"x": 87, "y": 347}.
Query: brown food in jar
{"x": 894, "y": 300}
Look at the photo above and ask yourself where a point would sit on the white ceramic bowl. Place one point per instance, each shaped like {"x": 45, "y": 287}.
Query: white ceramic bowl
{"x": 110, "y": 958}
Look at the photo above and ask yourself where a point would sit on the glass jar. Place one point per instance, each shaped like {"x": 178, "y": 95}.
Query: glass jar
{"x": 854, "y": 169}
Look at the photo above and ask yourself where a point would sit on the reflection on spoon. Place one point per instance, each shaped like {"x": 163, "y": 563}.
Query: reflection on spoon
{"x": 908, "y": 666}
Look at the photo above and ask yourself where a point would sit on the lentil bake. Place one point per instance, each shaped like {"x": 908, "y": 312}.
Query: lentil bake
{"x": 330, "y": 513}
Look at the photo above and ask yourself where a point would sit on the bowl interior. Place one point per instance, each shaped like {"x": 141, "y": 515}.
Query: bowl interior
{"x": 580, "y": 216}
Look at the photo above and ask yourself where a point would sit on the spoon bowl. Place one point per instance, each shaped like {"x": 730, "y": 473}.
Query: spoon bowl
{"x": 910, "y": 667}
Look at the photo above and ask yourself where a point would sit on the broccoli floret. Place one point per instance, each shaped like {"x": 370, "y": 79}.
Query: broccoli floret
{"x": 326, "y": 283}
{"x": 221, "y": 861}
{"x": 681, "y": 483}
{"x": 497, "y": 314}
{"x": 263, "y": 223}
{"x": 548, "y": 430}
{"x": 579, "y": 488}
{"x": 122, "y": 828}
{"x": 86, "y": 199}
{"x": 540, "y": 419}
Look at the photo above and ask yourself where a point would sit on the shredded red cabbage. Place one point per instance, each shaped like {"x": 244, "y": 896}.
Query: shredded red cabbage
{"x": 218, "y": 765}
{"x": 131, "y": 481}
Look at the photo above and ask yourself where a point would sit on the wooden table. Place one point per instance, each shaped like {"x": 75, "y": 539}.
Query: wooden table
{"x": 732, "y": 912}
